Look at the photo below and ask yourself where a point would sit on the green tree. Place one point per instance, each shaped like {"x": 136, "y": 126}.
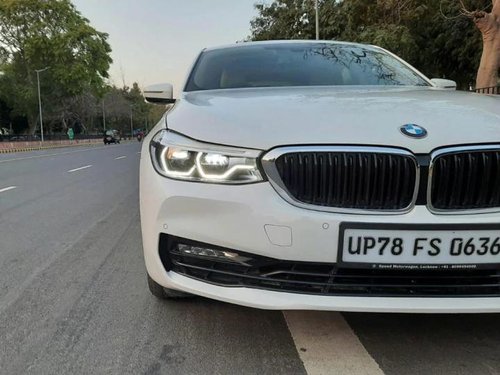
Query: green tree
{"x": 420, "y": 31}
{"x": 284, "y": 19}
{"x": 140, "y": 109}
{"x": 122, "y": 104}
{"x": 35, "y": 34}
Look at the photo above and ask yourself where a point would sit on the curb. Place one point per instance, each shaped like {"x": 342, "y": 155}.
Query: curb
{"x": 38, "y": 148}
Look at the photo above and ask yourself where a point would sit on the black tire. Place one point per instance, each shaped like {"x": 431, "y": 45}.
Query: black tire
{"x": 164, "y": 293}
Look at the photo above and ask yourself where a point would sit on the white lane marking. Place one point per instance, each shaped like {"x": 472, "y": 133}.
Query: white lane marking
{"x": 120, "y": 157}
{"x": 327, "y": 345}
{"x": 80, "y": 168}
{"x": 139, "y": 152}
{"x": 8, "y": 188}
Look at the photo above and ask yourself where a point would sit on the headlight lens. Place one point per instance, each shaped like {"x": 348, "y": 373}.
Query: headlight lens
{"x": 181, "y": 158}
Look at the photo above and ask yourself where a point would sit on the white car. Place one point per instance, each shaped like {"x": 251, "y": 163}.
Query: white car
{"x": 322, "y": 176}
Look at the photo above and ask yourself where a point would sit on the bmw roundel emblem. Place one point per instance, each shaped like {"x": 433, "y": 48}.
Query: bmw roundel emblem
{"x": 413, "y": 131}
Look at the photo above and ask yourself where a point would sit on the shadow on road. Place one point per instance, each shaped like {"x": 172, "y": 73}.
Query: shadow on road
{"x": 430, "y": 344}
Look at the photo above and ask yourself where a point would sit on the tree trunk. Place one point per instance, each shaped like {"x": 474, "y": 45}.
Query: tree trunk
{"x": 489, "y": 25}
{"x": 32, "y": 122}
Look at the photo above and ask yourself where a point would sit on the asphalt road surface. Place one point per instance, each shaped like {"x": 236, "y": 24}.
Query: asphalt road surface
{"x": 74, "y": 298}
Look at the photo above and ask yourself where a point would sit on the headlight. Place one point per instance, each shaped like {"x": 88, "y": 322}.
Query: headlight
{"x": 181, "y": 158}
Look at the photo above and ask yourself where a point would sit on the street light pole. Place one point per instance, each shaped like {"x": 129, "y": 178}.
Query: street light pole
{"x": 40, "y": 98}
{"x": 317, "y": 19}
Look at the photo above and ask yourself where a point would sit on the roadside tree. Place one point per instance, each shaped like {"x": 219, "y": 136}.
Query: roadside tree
{"x": 489, "y": 26}
{"x": 432, "y": 35}
{"x": 35, "y": 34}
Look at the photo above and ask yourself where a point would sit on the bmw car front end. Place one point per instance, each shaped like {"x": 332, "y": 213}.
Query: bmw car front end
{"x": 324, "y": 176}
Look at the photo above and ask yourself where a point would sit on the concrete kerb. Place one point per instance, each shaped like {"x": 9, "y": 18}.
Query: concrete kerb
{"x": 38, "y": 148}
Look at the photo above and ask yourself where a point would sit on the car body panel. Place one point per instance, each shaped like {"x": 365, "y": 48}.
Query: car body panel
{"x": 237, "y": 216}
{"x": 338, "y": 115}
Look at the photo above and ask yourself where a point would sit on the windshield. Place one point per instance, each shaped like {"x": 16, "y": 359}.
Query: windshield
{"x": 298, "y": 64}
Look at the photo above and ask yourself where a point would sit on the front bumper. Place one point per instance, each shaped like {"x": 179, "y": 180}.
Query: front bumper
{"x": 271, "y": 300}
{"x": 256, "y": 220}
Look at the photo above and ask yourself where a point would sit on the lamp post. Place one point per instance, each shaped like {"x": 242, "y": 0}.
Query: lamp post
{"x": 317, "y": 19}
{"x": 40, "y": 98}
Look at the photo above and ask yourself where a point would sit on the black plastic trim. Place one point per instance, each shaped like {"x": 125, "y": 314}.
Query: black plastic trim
{"x": 328, "y": 279}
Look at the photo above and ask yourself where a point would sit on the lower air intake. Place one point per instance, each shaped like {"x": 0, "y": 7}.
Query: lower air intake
{"x": 259, "y": 272}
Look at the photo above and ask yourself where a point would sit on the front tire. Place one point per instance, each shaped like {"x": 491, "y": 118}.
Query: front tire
{"x": 164, "y": 293}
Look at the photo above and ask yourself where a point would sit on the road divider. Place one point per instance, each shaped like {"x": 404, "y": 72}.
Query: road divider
{"x": 80, "y": 168}
{"x": 100, "y": 148}
{"x": 9, "y": 147}
{"x": 8, "y": 188}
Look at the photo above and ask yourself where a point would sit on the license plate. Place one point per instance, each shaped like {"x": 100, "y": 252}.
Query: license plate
{"x": 408, "y": 246}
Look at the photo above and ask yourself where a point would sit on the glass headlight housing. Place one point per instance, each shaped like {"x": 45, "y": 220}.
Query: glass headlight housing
{"x": 182, "y": 158}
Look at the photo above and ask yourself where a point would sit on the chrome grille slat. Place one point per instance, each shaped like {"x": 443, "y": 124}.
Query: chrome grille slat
{"x": 350, "y": 179}
{"x": 364, "y": 179}
{"x": 464, "y": 180}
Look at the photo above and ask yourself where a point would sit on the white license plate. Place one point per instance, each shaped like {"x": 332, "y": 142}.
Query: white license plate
{"x": 419, "y": 246}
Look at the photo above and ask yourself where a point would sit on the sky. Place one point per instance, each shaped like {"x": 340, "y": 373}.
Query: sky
{"x": 156, "y": 41}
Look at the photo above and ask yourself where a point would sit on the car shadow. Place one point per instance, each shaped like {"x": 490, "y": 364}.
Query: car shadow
{"x": 430, "y": 343}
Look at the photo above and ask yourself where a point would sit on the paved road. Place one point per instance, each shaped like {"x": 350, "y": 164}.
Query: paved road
{"x": 74, "y": 299}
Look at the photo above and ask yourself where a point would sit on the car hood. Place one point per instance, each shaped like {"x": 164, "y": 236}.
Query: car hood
{"x": 267, "y": 117}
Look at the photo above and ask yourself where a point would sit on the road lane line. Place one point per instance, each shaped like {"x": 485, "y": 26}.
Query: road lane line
{"x": 8, "y": 188}
{"x": 120, "y": 157}
{"x": 80, "y": 168}
{"x": 327, "y": 345}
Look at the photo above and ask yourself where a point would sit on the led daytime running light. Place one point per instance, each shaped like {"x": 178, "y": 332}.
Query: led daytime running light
{"x": 223, "y": 176}
{"x": 177, "y": 157}
{"x": 163, "y": 161}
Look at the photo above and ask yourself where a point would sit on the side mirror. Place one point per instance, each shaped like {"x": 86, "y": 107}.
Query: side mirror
{"x": 444, "y": 84}
{"x": 159, "y": 94}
